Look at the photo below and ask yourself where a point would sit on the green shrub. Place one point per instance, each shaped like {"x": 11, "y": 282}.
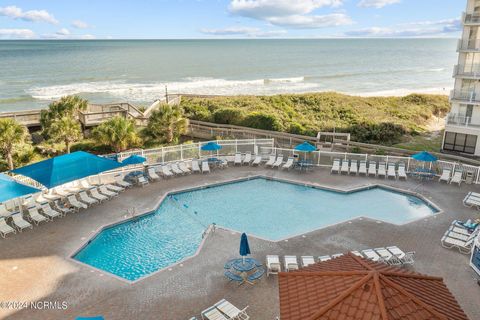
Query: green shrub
{"x": 228, "y": 116}
{"x": 296, "y": 128}
{"x": 263, "y": 121}
{"x": 378, "y": 133}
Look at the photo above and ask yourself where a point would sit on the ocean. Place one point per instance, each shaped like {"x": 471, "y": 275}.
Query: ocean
{"x": 33, "y": 73}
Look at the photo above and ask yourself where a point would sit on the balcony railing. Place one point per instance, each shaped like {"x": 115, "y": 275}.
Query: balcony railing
{"x": 468, "y": 45}
{"x": 461, "y": 120}
{"x": 471, "y": 18}
{"x": 471, "y": 71}
{"x": 465, "y": 96}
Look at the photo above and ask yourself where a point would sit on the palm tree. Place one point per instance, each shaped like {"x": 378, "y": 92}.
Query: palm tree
{"x": 118, "y": 133}
{"x": 66, "y": 130}
{"x": 11, "y": 133}
{"x": 166, "y": 124}
{"x": 67, "y": 106}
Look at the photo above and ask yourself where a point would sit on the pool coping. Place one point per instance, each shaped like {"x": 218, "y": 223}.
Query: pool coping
{"x": 211, "y": 228}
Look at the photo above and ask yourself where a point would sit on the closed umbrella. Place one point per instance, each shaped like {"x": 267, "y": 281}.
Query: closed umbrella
{"x": 244, "y": 247}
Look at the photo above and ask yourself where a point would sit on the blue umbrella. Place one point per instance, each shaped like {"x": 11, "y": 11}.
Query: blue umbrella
{"x": 134, "y": 159}
{"x": 211, "y": 146}
{"x": 244, "y": 247}
{"x": 305, "y": 147}
{"x": 424, "y": 156}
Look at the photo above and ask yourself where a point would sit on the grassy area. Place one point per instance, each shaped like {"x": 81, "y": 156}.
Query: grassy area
{"x": 383, "y": 120}
{"x": 428, "y": 142}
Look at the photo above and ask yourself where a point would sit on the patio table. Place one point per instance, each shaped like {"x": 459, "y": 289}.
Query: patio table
{"x": 243, "y": 266}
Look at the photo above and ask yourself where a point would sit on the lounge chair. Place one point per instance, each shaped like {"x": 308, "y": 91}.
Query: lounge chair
{"x": 238, "y": 159}
{"x": 142, "y": 181}
{"x": 103, "y": 190}
{"x": 20, "y": 223}
{"x": 271, "y": 161}
{"x": 152, "y": 175}
{"x": 291, "y": 263}
{"x": 205, "y": 167}
{"x": 5, "y": 228}
{"x": 382, "y": 170}
{"x": 344, "y": 168}
{"x": 446, "y": 174}
{"x": 391, "y": 171}
{"x": 86, "y": 199}
{"x": 62, "y": 192}
{"x": 231, "y": 311}
{"x": 273, "y": 265}
{"x": 357, "y": 253}
{"x": 405, "y": 258}
{"x": 176, "y": 169}
{"x": 307, "y": 261}
{"x": 335, "y": 166}
{"x": 371, "y": 255}
{"x": 63, "y": 208}
{"x": 362, "y": 169}
{"x": 402, "y": 174}
{"x": 472, "y": 199}
{"x": 463, "y": 246}
{"x": 115, "y": 188}
{"x": 166, "y": 172}
{"x": 278, "y": 162}
{"x": 387, "y": 256}
{"x": 354, "y": 167}
{"x": 97, "y": 196}
{"x": 289, "y": 164}
{"x": 324, "y": 258}
{"x": 34, "y": 216}
{"x": 457, "y": 177}
{"x": 183, "y": 166}
{"x": 213, "y": 313}
{"x": 257, "y": 160}
{"x": 372, "y": 168}
{"x": 195, "y": 166}
{"x": 75, "y": 203}
{"x": 248, "y": 158}
{"x": 119, "y": 180}
{"x": 467, "y": 227}
{"x": 337, "y": 255}
{"x": 49, "y": 212}
{"x": 230, "y": 159}
{"x": 3, "y": 211}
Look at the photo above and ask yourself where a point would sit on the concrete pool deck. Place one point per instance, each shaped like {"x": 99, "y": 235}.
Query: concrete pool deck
{"x": 35, "y": 264}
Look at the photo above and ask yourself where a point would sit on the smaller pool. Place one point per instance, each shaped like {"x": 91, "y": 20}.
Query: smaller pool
{"x": 269, "y": 209}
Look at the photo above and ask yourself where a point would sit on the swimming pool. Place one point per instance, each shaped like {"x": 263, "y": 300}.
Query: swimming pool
{"x": 269, "y": 209}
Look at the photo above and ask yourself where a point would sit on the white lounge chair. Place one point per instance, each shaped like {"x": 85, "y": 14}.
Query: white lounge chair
{"x": 115, "y": 188}
{"x": 3, "y": 211}
{"x": 176, "y": 169}
{"x": 307, "y": 261}
{"x": 472, "y": 199}
{"x": 63, "y": 208}
{"x": 96, "y": 195}
{"x": 257, "y": 160}
{"x": 391, "y": 173}
{"x": 213, "y": 313}
{"x": 457, "y": 177}
{"x": 5, "y": 228}
{"x": 273, "y": 265}
{"x": 337, "y": 255}
{"x": 231, "y": 311}
{"x": 205, "y": 167}
{"x": 152, "y": 175}
{"x": 75, "y": 203}
{"x": 119, "y": 180}
{"x": 271, "y": 161}
{"x": 382, "y": 170}
{"x": 183, "y": 166}
{"x": 372, "y": 168}
{"x": 324, "y": 258}
{"x": 344, "y": 168}
{"x": 62, "y": 192}
{"x": 142, "y": 181}
{"x": 108, "y": 193}
{"x": 248, "y": 158}
{"x": 85, "y": 184}
{"x": 354, "y": 167}
{"x": 195, "y": 166}
{"x": 446, "y": 174}
{"x": 387, "y": 256}
{"x": 289, "y": 164}
{"x": 362, "y": 169}
{"x": 238, "y": 159}
{"x": 166, "y": 172}
{"x": 335, "y": 166}
{"x": 278, "y": 162}
{"x": 86, "y": 199}
{"x": 371, "y": 255}
{"x": 49, "y": 212}
{"x": 34, "y": 216}
{"x": 20, "y": 223}
{"x": 463, "y": 246}
{"x": 357, "y": 253}
{"x": 230, "y": 159}
{"x": 291, "y": 263}
{"x": 402, "y": 174}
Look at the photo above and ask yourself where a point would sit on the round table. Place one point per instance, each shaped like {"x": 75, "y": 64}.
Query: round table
{"x": 243, "y": 266}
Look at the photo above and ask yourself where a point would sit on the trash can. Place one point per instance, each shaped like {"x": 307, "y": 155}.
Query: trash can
{"x": 469, "y": 177}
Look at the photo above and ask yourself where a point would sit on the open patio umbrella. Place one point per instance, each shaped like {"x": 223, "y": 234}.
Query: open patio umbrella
{"x": 424, "y": 156}
{"x": 211, "y": 146}
{"x": 134, "y": 159}
{"x": 244, "y": 247}
{"x": 305, "y": 148}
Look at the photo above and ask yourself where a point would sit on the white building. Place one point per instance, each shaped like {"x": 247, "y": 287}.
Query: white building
{"x": 462, "y": 129}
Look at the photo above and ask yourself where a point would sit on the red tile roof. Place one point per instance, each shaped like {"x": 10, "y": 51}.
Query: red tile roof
{"x": 350, "y": 287}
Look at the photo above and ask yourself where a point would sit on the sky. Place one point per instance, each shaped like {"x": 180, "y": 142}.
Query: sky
{"x": 198, "y": 19}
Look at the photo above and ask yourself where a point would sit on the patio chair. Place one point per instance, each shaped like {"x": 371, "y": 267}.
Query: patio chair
{"x": 75, "y": 203}
{"x": 256, "y": 275}
{"x": 20, "y": 223}
{"x": 382, "y": 170}
{"x": 257, "y": 160}
{"x": 166, "y": 172}
{"x": 471, "y": 200}
{"x": 231, "y": 311}
{"x": 34, "y": 216}
{"x": 195, "y": 166}
{"x": 362, "y": 169}
{"x": 175, "y": 169}
{"x": 142, "y": 181}
{"x": 230, "y": 159}
{"x": 402, "y": 174}
{"x": 289, "y": 164}
{"x": 97, "y": 196}
{"x": 247, "y": 159}
{"x": 354, "y": 167}
{"x": 238, "y": 159}
{"x": 391, "y": 171}
{"x": 152, "y": 174}
{"x": 5, "y": 228}
{"x": 463, "y": 246}
{"x": 273, "y": 265}
{"x": 278, "y": 162}
{"x": 371, "y": 255}
{"x": 205, "y": 167}
{"x": 457, "y": 177}
{"x": 291, "y": 263}
{"x": 49, "y": 212}
{"x": 372, "y": 168}
{"x": 119, "y": 180}
{"x": 335, "y": 166}
{"x": 324, "y": 258}
{"x": 61, "y": 192}
{"x": 108, "y": 193}
{"x": 183, "y": 166}
{"x": 337, "y": 255}
{"x": 86, "y": 199}
{"x": 388, "y": 257}
{"x": 307, "y": 261}
{"x": 344, "y": 168}
{"x": 213, "y": 313}
{"x": 466, "y": 227}
{"x": 271, "y": 161}
{"x": 115, "y": 188}
{"x": 3, "y": 211}
{"x": 64, "y": 209}
{"x": 445, "y": 176}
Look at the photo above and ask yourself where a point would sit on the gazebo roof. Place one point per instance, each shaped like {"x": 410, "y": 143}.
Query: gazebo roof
{"x": 349, "y": 287}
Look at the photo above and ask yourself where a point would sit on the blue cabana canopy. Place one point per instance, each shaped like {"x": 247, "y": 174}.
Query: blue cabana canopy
{"x": 424, "y": 156}
{"x": 305, "y": 147}
{"x": 66, "y": 168}
{"x": 211, "y": 146}
{"x": 134, "y": 159}
{"x": 10, "y": 189}
{"x": 244, "y": 247}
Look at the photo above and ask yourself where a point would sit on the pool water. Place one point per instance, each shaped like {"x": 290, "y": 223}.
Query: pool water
{"x": 268, "y": 209}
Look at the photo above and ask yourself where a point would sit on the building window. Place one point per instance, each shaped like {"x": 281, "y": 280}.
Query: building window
{"x": 460, "y": 142}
